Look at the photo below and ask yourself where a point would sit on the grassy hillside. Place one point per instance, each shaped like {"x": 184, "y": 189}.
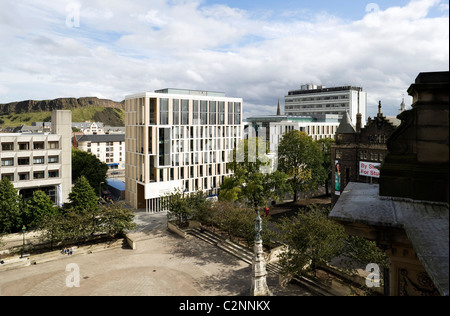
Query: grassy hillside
{"x": 109, "y": 116}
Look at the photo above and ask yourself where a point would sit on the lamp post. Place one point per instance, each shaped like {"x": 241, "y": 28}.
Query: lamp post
{"x": 23, "y": 240}
{"x": 100, "y": 189}
{"x": 259, "y": 273}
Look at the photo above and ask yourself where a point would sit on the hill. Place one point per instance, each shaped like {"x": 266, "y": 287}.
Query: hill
{"x": 83, "y": 109}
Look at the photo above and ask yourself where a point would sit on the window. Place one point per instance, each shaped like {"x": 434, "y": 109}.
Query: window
{"x": 176, "y": 112}
{"x": 164, "y": 147}
{"x": 38, "y": 160}
{"x": 53, "y": 173}
{"x": 185, "y": 112}
{"x": 203, "y": 112}
{"x": 7, "y": 162}
{"x": 164, "y": 111}
{"x": 24, "y": 146}
{"x": 38, "y": 145}
{"x": 237, "y": 113}
{"x": 221, "y": 113}
{"x": 24, "y": 176}
{"x": 212, "y": 112}
{"x": 195, "y": 119}
{"x": 9, "y": 176}
{"x": 53, "y": 145}
{"x": 7, "y": 146}
{"x": 38, "y": 175}
{"x": 23, "y": 161}
{"x": 230, "y": 113}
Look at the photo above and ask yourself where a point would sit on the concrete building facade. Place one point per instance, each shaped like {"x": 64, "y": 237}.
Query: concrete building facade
{"x": 40, "y": 161}
{"x": 312, "y": 100}
{"x": 178, "y": 139}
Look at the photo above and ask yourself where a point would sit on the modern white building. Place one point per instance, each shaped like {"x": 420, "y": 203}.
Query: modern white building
{"x": 275, "y": 126}
{"x": 178, "y": 139}
{"x": 40, "y": 161}
{"x": 312, "y": 100}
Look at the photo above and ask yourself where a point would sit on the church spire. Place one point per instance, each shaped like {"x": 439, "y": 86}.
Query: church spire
{"x": 279, "y": 108}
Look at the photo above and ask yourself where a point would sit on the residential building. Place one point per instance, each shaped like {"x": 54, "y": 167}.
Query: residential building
{"x": 40, "y": 161}
{"x": 109, "y": 148}
{"x": 178, "y": 139}
{"x": 312, "y": 100}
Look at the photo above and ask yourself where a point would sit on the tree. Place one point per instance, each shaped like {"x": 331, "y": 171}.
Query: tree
{"x": 115, "y": 219}
{"x": 11, "y": 206}
{"x": 301, "y": 158}
{"x": 37, "y": 208}
{"x": 201, "y": 207}
{"x": 83, "y": 208}
{"x": 313, "y": 239}
{"x": 87, "y": 165}
{"x": 250, "y": 182}
{"x": 325, "y": 145}
{"x": 177, "y": 206}
{"x": 83, "y": 196}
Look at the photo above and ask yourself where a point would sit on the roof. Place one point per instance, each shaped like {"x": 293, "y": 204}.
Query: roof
{"x": 425, "y": 223}
{"x": 102, "y": 138}
{"x": 346, "y": 126}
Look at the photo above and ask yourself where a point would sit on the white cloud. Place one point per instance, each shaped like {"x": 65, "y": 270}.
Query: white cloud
{"x": 128, "y": 47}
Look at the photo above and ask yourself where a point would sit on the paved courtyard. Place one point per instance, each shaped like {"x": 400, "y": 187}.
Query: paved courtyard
{"x": 162, "y": 265}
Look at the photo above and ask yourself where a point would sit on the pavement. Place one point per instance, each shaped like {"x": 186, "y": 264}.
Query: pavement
{"x": 162, "y": 264}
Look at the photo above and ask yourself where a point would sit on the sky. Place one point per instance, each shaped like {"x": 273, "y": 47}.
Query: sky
{"x": 255, "y": 50}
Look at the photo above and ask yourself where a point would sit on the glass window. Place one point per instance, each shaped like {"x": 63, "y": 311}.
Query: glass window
{"x": 204, "y": 112}
{"x": 230, "y": 113}
{"x": 38, "y": 145}
{"x": 38, "y": 161}
{"x": 7, "y": 162}
{"x": 212, "y": 112}
{"x": 176, "y": 112}
{"x": 7, "y": 146}
{"x": 185, "y": 112}
{"x": 164, "y": 111}
{"x": 195, "y": 119}
{"x": 53, "y": 145}
{"x": 221, "y": 113}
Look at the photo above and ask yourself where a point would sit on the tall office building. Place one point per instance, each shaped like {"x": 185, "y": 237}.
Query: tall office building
{"x": 312, "y": 100}
{"x": 178, "y": 139}
{"x": 40, "y": 161}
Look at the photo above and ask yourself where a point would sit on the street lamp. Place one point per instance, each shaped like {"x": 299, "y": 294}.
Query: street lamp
{"x": 23, "y": 240}
{"x": 100, "y": 189}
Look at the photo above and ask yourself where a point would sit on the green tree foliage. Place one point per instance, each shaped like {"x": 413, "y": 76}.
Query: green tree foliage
{"x": 238, "y": 220}
{"x": 313, "y": 240}
{"x": 325, "y": 145}
{"x": 301, "y": 158}
{"x": 87, "y": 165}
{"x": 116, "y": 219}
{"x": 38, "y": 207}
{"x": 250, "y": 182}
{"x": 83, "y": 196}
{"x": 11, "y": 208}
{"x": 177, "y": 207}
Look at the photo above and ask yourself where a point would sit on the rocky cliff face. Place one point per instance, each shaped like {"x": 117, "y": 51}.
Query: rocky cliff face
{"x": 58, "y": 104}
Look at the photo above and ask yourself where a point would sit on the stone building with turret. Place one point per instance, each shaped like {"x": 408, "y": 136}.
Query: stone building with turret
{"x": 359, "y": 151}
